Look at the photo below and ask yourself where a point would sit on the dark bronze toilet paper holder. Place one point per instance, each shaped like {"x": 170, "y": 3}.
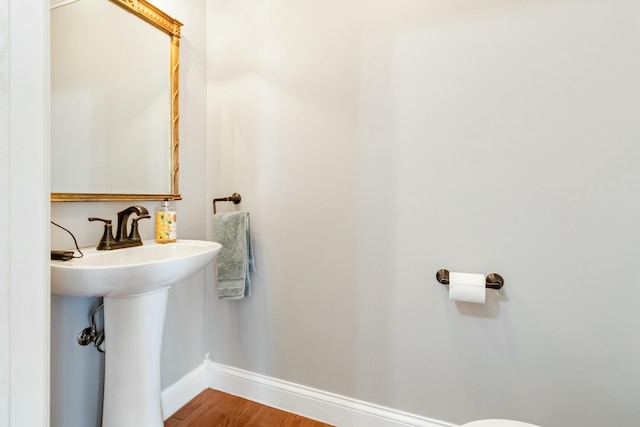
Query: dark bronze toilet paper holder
{"x": 493, "y": 280}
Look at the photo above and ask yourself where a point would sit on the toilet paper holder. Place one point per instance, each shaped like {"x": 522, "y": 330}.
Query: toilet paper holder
{"x": 493, "y": 280}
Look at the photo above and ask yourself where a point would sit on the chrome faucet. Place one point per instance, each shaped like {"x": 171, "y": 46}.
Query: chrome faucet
{"x": 123, "y": 238}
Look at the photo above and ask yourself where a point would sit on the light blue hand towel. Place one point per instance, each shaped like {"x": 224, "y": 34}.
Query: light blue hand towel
{"x": 235, "y": 259}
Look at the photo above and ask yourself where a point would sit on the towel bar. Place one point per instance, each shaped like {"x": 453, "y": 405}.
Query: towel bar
{"x": 235, "y": 198}
{"x": 493, "y": 280}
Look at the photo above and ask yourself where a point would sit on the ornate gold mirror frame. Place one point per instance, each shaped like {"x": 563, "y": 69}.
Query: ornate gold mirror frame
{"x": 154, "y": 16}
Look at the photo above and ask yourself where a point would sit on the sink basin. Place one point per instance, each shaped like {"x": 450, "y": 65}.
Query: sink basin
{"x": 131, "y": 271}
{"x": 135, "y": 284}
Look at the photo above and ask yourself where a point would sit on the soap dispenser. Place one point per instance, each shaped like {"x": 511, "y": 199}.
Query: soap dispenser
{"x": 166, "y": 223}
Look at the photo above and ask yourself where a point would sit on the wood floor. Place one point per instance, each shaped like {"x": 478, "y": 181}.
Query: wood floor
{"x": 213, "y": 408}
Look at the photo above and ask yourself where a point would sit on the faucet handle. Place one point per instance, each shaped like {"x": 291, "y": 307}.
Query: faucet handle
{"x": 107, "y": 237}
{"x": 93, "y": 218}
{"x": 134, "y": 234}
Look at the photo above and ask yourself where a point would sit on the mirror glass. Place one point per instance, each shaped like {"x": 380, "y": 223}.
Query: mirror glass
{"x": 113, "y": 117}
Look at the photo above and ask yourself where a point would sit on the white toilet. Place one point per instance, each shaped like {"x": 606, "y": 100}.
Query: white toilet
{"x": 498, "y": 423}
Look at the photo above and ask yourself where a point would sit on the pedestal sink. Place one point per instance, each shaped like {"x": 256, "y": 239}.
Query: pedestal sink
{"x": 134, "y": 283}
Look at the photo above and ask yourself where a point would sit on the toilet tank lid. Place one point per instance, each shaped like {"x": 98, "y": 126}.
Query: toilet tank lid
{"x": 498, "y": 423}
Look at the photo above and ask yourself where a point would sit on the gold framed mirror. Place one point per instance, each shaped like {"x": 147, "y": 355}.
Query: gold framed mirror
{"x": 115, "y": 101}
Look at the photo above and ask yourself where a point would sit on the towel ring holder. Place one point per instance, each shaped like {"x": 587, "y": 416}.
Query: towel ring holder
{"x": 235, "y": 198}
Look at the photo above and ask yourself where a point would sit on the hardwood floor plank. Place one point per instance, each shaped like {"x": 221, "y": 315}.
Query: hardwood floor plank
{"x": 259, "y": 417}
{"x": 193, "y": 411}
{"x": 217, "y": 414}
{"x": 198, "y": 404}
{"x": 213, "y": 408}
{"x": 171, "y": 422}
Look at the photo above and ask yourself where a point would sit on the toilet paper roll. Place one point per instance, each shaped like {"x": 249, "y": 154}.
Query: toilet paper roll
{"x": 467, "y": 287}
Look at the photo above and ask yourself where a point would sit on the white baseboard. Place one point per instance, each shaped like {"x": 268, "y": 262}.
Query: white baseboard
{"x": 319, "y": 405}
{"x": 181, "y": 392}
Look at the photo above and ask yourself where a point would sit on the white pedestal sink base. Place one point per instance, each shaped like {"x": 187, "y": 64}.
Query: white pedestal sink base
{"x": 134, "y": 283}
{"x": 133, "y": 340}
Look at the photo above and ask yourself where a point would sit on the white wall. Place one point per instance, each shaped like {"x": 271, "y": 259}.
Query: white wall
{"x": 5, "y": 305}
{"x": 377, "y": 142}
{"x": 77, "y": 371}
{"x": 24, "y": 177}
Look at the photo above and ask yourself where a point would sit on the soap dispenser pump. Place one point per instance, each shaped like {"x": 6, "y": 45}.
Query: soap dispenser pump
{"x": 166, "y": 223}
